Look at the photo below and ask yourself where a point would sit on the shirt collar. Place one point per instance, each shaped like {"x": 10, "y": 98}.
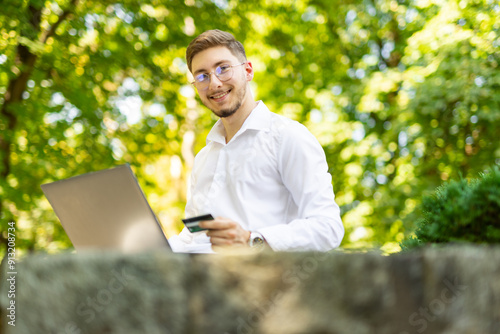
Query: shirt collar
{"x": 259, "y": 119}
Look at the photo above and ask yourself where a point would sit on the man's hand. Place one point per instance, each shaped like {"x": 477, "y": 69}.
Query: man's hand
{"x": 224, "y": 232}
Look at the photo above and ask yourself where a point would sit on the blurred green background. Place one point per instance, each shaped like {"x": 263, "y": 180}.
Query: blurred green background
{"x": 403, "y": 95}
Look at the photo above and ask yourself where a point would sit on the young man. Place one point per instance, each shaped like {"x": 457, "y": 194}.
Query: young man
{"x": 264, "y": 177}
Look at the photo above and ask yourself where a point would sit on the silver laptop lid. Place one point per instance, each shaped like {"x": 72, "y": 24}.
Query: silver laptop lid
{"x": 106, "y": 210}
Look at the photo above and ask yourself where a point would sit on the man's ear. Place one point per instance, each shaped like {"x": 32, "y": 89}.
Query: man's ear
{"x": 249, "y": 71}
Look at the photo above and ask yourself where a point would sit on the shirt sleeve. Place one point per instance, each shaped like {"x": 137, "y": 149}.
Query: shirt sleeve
{"x": 304, "y": 172}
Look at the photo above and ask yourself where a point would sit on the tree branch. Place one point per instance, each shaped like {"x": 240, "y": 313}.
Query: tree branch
{"x": 50, "y": 32}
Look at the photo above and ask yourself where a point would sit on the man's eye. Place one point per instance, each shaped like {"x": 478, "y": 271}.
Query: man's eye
{"x": 201, "y": 77}
{"x": 224, "y": 68}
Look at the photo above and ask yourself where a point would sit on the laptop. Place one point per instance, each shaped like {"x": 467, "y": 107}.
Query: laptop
{"x": 106, "y": 210}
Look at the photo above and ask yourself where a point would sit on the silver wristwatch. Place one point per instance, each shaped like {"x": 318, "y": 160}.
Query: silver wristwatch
{"x": 256, "y": 240}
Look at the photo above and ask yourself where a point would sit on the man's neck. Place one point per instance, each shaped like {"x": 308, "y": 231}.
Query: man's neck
{"x": 233, "y": 123}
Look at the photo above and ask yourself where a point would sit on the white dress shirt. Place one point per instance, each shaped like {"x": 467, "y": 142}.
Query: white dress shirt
{"x": 272, "y": 177}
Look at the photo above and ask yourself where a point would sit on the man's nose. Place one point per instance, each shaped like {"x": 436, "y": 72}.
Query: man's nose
{"x": 215, "y": 82}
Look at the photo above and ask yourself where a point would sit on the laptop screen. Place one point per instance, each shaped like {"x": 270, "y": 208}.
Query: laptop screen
{"x": 106, "y": 210}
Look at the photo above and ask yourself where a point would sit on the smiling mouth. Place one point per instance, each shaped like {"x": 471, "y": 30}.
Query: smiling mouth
{"x": 220, "y": 95}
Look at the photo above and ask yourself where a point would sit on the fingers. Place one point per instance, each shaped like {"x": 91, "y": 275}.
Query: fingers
{"x": 216, "y": 241}
{"x": 221, "y": 231}
{"x": 223, "y": 234}
{"x": 218, "y": 224}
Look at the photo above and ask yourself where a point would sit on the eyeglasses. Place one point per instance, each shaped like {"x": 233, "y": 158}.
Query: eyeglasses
{"x": 222, "y": 72}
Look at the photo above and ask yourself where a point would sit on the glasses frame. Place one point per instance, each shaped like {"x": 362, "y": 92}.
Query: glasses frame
{"x": 215, "y": 73}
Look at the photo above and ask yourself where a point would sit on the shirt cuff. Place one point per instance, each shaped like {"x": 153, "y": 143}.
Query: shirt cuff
{"x": 299, "y": 235}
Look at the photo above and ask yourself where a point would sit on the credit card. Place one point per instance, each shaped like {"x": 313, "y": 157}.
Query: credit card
{"x": 193, "y": 223}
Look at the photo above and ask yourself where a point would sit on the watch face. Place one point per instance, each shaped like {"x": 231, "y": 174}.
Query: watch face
{"x": 257, "y": 241}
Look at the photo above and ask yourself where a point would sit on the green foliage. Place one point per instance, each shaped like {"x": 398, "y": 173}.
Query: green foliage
{"x": 401, "y": 94}
{"x": 461, "y": 211}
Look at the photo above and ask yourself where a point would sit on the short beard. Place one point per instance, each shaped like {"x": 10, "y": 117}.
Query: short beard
{"x": 228, "y": 112}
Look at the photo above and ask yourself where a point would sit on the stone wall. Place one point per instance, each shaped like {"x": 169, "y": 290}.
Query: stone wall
{"x": 451, "y": 290}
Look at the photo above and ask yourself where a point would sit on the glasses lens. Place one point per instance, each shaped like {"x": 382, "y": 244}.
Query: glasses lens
{"x": 201, "y": 77}
{"x": 224, "y": 72}
{"x": 201, "y": 81}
